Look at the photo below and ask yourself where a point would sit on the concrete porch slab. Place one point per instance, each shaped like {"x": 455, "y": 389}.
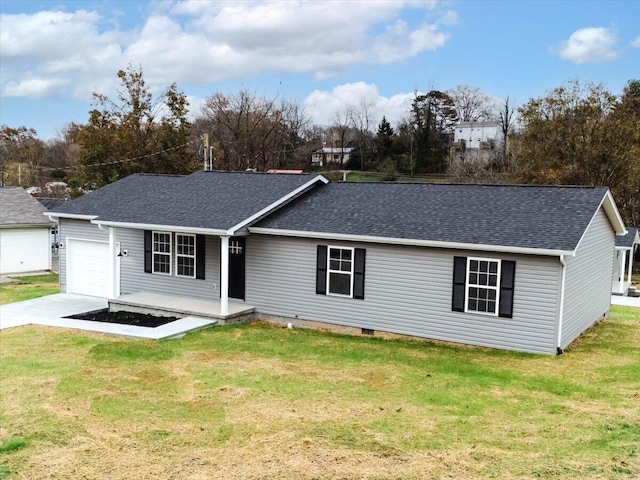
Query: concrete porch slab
{"x": 173, "y": 305}
{"x": 50, "y": 311}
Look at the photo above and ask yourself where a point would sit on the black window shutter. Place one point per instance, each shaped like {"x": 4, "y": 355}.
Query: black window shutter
{"x": 148, "y": 252}
{"x": 358, "y": 272}
{"x": 200, "y": 256}
{"x": 507, "y": 280}
{"x": 458, "y": 296}
{"x": 321, "y": 270}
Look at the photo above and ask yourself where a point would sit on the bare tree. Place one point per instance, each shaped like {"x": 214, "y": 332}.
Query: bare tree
{"x": 248, "y": 131}
{"x": 360, "y": 119}
{"x": 472, "y": 104}
{"x": 505, "y": 118}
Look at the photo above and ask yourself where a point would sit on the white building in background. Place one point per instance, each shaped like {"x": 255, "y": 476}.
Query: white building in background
{"x": 476, "y": 140}
{"x": 480, "y": 135}
{"x": 331, "y": 156}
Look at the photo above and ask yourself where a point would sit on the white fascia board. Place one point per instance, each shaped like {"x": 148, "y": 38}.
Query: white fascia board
{"x": 277, "y": 203}
{"x": 611, "y": 210}
{"x": 411, "y": 242}
{"x": 167, "y": 228}
{"x": 72, "y": 216}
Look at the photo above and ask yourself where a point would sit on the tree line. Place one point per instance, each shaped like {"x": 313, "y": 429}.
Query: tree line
{"x": 575, "y": 134}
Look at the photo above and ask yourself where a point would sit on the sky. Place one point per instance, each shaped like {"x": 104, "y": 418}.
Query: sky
{"x": 324, "y": 55}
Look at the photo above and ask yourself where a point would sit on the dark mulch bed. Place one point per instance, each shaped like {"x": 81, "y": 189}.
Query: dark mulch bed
{"x": 126, "y": 318}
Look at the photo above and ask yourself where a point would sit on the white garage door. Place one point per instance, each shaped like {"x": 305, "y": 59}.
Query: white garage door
{"x": 88, "y": 267}
{"x": 24, "y": 250}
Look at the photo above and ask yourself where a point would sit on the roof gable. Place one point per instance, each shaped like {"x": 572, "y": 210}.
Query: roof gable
{"x": 203, "y": 200}
{"x": 535, "y": 218}
{"x": 19, "y": 208}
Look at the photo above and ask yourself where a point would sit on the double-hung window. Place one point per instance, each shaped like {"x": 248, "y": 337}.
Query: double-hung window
{"x": 340, "y": 277}
{"x": 162, "y": 253}
{"x": 340, "y": 271}
{"x": 482, "y": 285}
{"x": 185, "y": 255}
{"x": 179, "y": 254}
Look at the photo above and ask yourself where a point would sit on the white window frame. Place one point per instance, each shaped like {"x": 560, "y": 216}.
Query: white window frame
{"x": 340, "y": 272}
{"x": 182, "y": 255}
{"x": 469, "y": 285}
{"x": 154, "y": 252}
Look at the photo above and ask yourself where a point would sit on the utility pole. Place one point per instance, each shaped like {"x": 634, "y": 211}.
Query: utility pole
{"x": 205, "y": 139}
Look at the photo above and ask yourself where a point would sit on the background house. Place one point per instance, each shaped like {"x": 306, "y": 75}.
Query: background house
{"x": 326, "y": 156}
{"x": 626, "y": 248}
{"x": 476, "y": 140}
{"x": 25, "y": 232}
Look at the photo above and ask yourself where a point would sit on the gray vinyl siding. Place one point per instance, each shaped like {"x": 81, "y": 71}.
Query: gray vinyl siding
{"x": 134, "y": 279}
{"x": 407, "y": 291}
{"x": 82, "y": 229}
{"x": 588, "y": 279}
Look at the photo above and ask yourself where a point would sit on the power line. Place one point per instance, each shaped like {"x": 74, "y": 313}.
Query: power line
{"x": 115, "y": 162}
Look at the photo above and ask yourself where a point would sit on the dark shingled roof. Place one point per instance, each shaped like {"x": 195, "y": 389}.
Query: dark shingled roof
{"x": 628, "y": 239}
{"x": 18, "y": 208}
{"x": 52, "y": 203}
{"x": 536, "y": 217}
{"x": 204, "y": 199}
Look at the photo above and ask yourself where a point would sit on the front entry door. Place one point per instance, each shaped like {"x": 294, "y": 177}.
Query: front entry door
{"x": 236, "y": 267}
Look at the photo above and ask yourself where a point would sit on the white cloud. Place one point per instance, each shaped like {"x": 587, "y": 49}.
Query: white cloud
{"x": 591, "y": 44}
{"x": 322, "y": 105}
{"x": 201, "y": 42}
{"x": 52, "y": 53}
{"x": 35, "y": 87}
{"x": 636, "y": 42}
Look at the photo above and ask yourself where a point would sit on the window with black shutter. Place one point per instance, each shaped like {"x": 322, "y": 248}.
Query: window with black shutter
{"x": 340, "y": 271}
{"x": 483, "y": 285}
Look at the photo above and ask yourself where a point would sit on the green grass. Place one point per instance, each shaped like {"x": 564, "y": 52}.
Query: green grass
{"x": 13, "y": 445}
{"x": 624, "y": 313}
{"x": 257, "y": 402}
{"x": 27, "y": 287}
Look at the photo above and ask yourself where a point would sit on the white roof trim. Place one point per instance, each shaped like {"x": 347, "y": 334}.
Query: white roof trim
{"x": 412, "y": 242}
{"x": 277, "y": 203}
{"x": 611, "y": 210}
{"x": 169, "y": 228}
{"x": 72, "y": 216}
{"x": 613, "y": 213}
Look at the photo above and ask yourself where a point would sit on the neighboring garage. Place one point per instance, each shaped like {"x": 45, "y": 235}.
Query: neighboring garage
{"x": 88, "y": 267}
{"x": 25, "y": 233}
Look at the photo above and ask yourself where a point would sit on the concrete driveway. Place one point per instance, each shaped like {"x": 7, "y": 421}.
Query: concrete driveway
{"x": 48, "y": 310}
{"x": 51, "y": 310}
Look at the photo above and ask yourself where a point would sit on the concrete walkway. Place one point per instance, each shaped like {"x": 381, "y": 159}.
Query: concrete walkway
{"x": 627, "y": 301}
{"x": 51, "y": 310}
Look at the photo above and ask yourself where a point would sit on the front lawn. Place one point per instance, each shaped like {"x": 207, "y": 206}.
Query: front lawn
{"x": 263, "y": 402}
{"x": 27, "y": 287}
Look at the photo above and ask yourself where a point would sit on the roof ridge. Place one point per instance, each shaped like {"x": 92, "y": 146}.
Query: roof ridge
{"x": 449, "y": 184}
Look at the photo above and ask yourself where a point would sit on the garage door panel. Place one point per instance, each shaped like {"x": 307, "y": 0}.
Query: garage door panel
{"x": 24, "y": 250}
{"x": 88, "y": 267}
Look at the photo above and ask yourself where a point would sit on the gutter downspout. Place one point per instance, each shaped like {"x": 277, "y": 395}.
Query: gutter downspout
{"x": 561, "y": 314}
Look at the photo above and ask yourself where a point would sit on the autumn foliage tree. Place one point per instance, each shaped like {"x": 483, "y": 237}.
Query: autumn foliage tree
{"x": 583, "y": 135}
{"x": 134, "y": 132}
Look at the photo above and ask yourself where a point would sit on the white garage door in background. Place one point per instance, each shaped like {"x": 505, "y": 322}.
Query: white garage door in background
{"x": 88, "y": 267}
{"x": 24, "y": 250}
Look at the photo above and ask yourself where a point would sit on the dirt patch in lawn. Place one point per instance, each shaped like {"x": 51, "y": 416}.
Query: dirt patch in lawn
{"x": 126, "y": 318}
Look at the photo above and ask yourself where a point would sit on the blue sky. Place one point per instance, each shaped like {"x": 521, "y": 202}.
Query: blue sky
{"x": 325, "y": 55}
